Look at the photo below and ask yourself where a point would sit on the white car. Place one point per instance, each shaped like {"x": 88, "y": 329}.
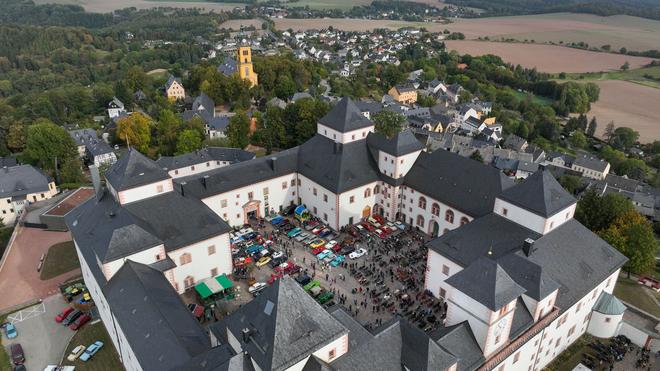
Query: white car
{"x": 76, "y": 352}
{"x": 257, "y": 287}
{"x": 357, "y": 253}
{"x": 331, "y": 244}
{"x": 277, "y": 254}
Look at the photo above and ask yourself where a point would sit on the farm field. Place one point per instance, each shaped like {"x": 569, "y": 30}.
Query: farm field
{"x": 104, "y": 6}
{"x": 628, "y": 104}
{"x": 648, "y": 76}
{"x": 350, "y": 24}
{"x": 548, "y": 58}
{"x": 235, "y": 24}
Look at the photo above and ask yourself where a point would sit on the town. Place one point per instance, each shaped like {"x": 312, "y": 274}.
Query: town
{"x": 324, "y": 199}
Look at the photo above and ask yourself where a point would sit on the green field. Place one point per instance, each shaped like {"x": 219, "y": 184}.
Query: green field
{"x": 105, "y": 359}
{"x": 535, "y": 98}
{"x": 61, "y": 258}
{"x": 637, "y": 76}
{"x": 632, "y": 292}
{"x": 326, "y": 4}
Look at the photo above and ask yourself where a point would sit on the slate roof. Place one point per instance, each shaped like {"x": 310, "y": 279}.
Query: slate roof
{"x": 228, "y": 66}
{"x": 369, "y": 106}
{"x": 82, "y": 137}
{"x": 609, "y": 304}
{"x": 8, "y": 162}
{"x": 133, "y": 170}
{"x": 485, "y": 281}
{"x": 157, "y": 324}
{"x": 231, "y": 155}
{"x": 459, "y": 182}
{"x": 300, "y": 95}
{"x": 590, "y": 162}
{"x": 345, "y": 116}
{"x": 403, "y": 143}
{"x": 404, "y": 88}
{"x": 203, "y": 102}
{"x": 21, "y": 180}
{"x": 522, "y": 320}
{"x": 540, "y": 193}
{"x": 286, "y": 325}
{"x": 530, "y": 276}
{"x": 115, "y": 103}
{"x": 515, "y": 142}
{"x": 459, "y": 341}
{"x": 171, "y": 80}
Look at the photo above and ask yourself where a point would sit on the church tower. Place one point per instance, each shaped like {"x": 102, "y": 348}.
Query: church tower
{"x": 245, "y": 70}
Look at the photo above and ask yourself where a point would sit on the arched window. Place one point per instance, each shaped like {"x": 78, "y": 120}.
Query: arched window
{"x": 464, "y": 220}
{"x": 420, "y": 221}
{"x": 189, "y": 281}
{"x": 445, "y": 230}
{"x": 449, "y": 216}
{"x": 376, "y": 189}
{"x": 367, "y": 192}
{"x": 435, "y": 209}
{"x": 185, "y": 259}
{"x": 422, "y": 203}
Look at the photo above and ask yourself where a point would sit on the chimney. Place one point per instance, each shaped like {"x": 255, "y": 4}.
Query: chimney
{"x": 528, "y": 246}
{"x": 273, "y": 163}
{"x": 204, "y": 180}
{"x": 96, "y": 181}
{"x": 337, "y": 148}
{"x": 246, "y": 335}
{"x": 182, "y": 184}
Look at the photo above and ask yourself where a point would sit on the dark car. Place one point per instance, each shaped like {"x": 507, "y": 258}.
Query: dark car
{"x": 17, "y": 355}
{"x": 303, "y": 279}
{"x": 19, "y": 368}
{"x": 289, "y": 210}
{"x": 80, "y": 322}
{"x": 71, "y": 317}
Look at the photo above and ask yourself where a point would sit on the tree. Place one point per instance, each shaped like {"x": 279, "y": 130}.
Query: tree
{"x": 625, "y": 66}
{"x": 388, "y": 123}
{"x": 16, "y": 137}
{"x": 135, "y": 131}
{"x": 591, "y": 129}
{"x": 609, "y": 131}
{"x": 571, "y": 183}
{"x": 632, "y": 235}
{"x": 167, "y": 130}
{"x": 624, "y": 138}
{"x": 598, "y": 213}
{"x": 238, "y": 130}
{"x": 189, "y": 141}
{"x": 578, "y": 139}
{"x": 476, "y": 155}
{"x": 49, "y": 144}
{"x": 71, "y": 171}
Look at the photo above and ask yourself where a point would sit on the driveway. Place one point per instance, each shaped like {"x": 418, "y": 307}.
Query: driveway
{"x": 43, "y": 340}
{"x": 19, "y": 279}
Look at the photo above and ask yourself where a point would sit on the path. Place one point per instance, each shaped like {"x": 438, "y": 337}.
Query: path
{"x": 19, "y": 279}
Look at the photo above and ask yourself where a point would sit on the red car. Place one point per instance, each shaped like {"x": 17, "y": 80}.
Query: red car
{"x": 80, "y": 322}
{"x": 318, "y": 250}
{"x": 274, "y": 277}
{"x": 284, "y": 266}
{"x": 379, "y": 219}
{"x": 368, "y": 226}
{"x": 292, "y": 270}
{"x": 65, "y": 312}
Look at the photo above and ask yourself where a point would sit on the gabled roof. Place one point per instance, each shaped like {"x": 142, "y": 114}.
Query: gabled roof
{"x": 133, "y": 170}
{"x": 401, "y": 144}
{"x": 459, "y": 341}
{"x": 231, "y": 155}
{"x": 228, "y": 66}
{"x": 529, "y": 275}
{"x": 609, "y": 304}
{"x": 158, "y": 326}
{"x": 285, "y": 325}
{"x": 21, "y": 180}
{"x": 459, "y": 182}
{"x": 171, "y": 80}
{"x": 116, "y": 103}
{"x": 486, "y": 282}
{"x": 590, "y": 162}
{"x": 345, "y": 116}
{"x": 540, "y": 193}
{"x": 203, "y": 101}
{"x": 8, "y": 162}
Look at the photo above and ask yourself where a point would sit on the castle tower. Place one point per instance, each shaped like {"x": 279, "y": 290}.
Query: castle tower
{"x": 245, "y": 69}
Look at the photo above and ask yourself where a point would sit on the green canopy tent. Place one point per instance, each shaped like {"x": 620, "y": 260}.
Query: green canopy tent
{"x": 212, "y": 286}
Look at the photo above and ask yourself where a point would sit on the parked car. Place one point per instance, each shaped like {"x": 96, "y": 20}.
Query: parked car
{"x": 10, "y": 330}
{"x": 63, "y": 314}
{"x": 17, "y": 355}
{"x": 311, "y": 225}
{"x": 289, "y": 210}
{"x": 367, "y": 226}
{"x": 303, "y": 279}
{"x": 294, "y": 232}
{"x": 357, "y": 253}
{"x": 263, "y": 261}
{"x": 277, "y": 254}
{"x": 75, "y": 353}
{"x": 400, "y": 225}
{"x": 22, "y": 368}
{"x": 347, "y": 249}
{"x": 318, "y": 250}
{"x": 330, "y": 257}
{"x": 333, "y": 245}
{"x": 325, "y": 253}
{"x": 257, "y": 287}
{"x": 650, "y": 282}
{"x": 325, "y": 232}
{"x": 196, "y": 310}
{"x": 91, "y": 351}
{"x": 277, "y": 220}
{"x": 380, "y": 233}
{"x": 80, "y": 322}
{"x": 310, "y": 285}
{"x": 318, "y": 229}
{"x": 302, "y": 236}
{"x": 317, "y": 243}
{"x": 338, "y": 260}
{"x": 71, "y": 317}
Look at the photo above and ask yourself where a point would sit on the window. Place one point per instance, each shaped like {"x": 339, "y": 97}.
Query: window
{"x": 192, "y": 168}
{"x": 284, "y": 184}
{"x": 325, "y": 198}
{"x": 315, "y": 211}
{"x": 214, "y": 272}
{"x": 185, "y": 259}
{"x": 364, "y": 134}
{"x": 571, "y": 331}
{"x": 332, "y": 354}
{"x": 353, "y": 137}
{"x": 250, "y": 195}
{"x": 516, "y": 357}
{"x": 503, "y": 310}
{"x": 376, "y": 189}
{"x": 350, "y": 220}
{"x": 504, "y": 211}
{"x": 351, "y": 199}
{"x": 367, "y": 192}
{"x": 293, "y": 182}
{"x": 189, "y": 282}
{"x": 325, "y": 217}
{"x": 449, "y": 216}
{"x": 211, "y": 249}
{"x": 464, "y": 220}
{"x": 609, "y": 280}
{"x": 445, "y": 270}
{"x": 208, "y": 164}
{"x": 265, "y": 191}
{"x": 238, "y": 196}
{"x": 501, "y": 368}
{"x": 443, "y": 293}
{"x": 422, "y": 203}
{"x": 420, "y": 220}
{"x": 298, "y": 181}
{"x": 557, "y": 342}
{"x": 497, "y": 339}
{"x": 578, "y": 307}
{"x": 159, "y": 188}
{"x": 176, "y": 172}
{"x": 314, "y": 191}
{"x": 223, "y": 203}
{"x": 435, "y": 209}
{"x": 608, "y": 320}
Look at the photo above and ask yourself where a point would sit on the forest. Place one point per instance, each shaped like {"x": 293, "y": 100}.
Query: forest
{"x": 639, "y": 8}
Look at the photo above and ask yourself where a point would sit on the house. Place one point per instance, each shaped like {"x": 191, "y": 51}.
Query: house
{"x": 591, "y": 167}
{"x": 241, "y": 65}
{"x": 91, "y": 148}
{"x": 203, "y": 160}
{"x": 7, "y": 162}
{"x": 404, "y": 94}
{"x": 174, "y": 88}
{"x": 560, "y": 159}
{"x": 276, "y": 102}
{"x": 115, "y": 108}
{"x": 21, "y": 185}
{"x": 515, "y": 143}
{"x": 204, "y": 103}
{"x": 525, "y": 169}
{"x": 436, "y": 86}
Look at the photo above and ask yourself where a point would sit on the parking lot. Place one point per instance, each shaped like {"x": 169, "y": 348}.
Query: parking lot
{"x": 387, "y": 280}
{"x": 43, "y": 340}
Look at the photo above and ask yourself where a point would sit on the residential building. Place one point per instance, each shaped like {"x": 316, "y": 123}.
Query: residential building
{"x": 203, "y": 160}
{"x": 404, "y": 94}
{"x": 91, "y": 148}
{"x": 591, "y": 167}
{"x": 21, "y": 185}
{"x": 115, "y": 108}
{"x": 174, "y": 88}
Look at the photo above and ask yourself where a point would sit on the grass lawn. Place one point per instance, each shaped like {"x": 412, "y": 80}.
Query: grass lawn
{"x": 569, "y": 358}
{"x": 5, "y": 235}
{"x": 535, "y": 98}
{"x": 632, "y": 292}
{"x": 61, "y": 258}
{"x": 105, "y": 359}
{"x": 637, "y": 76}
